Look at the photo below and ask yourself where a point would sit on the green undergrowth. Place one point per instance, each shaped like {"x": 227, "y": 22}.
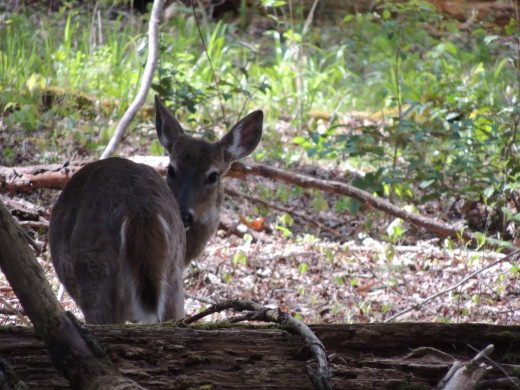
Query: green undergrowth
{"x": 425, "y": 109}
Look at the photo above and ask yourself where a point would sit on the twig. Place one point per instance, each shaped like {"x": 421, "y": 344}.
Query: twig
{"x": 389, "y": 287}
{"x": 35, "y": 225}
{"x": 310, "y": 16}
{"x": 146, "y": 81}
{"x": 256, "y": 312}
{"x": 247, "y": 97}
{"x": 209, "y": 60}
{"x": 470, "y": 276}
{"x": 11, "y": 310}
{"x": 239, "y": 169}
{"x": 203, "y": 300}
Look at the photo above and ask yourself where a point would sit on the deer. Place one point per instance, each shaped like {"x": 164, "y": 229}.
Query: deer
{"x": 121, "y": 235}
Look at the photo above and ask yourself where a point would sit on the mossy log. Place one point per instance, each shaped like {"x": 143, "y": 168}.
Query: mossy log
{"x": 374, "y": 356}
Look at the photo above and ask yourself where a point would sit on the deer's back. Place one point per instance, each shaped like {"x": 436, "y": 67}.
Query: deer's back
{"x": 118, "y": 242}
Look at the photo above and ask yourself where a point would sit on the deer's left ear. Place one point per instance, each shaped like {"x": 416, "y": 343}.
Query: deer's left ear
{"x": 167, "y": 127}
{"x": 244, "y": 137}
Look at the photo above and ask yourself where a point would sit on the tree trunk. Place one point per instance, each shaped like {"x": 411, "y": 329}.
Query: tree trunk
{"x": 375, "y": 356}
{"x": 72, "y": 348}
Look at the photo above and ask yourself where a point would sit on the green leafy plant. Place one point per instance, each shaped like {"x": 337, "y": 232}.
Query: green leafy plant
{"x": 449, "y": 107}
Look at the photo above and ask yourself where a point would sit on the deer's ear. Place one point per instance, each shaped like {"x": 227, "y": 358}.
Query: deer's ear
{"x": 244, "y": 137}
{"x": 168, "y": 128}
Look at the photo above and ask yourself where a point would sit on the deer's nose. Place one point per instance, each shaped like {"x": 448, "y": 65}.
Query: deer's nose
{"x": 187, "y": 218}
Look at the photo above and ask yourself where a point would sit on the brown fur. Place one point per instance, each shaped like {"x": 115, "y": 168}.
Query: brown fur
{"x": 120, "y": 235}
{"x": 85, "y": 238}
{"x": 194, "y": 159}
{"x": 145, "y": 250}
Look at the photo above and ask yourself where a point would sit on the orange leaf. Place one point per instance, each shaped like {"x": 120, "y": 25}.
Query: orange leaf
{"x": 366, "y": 287}
{"x": 255, "y": 224}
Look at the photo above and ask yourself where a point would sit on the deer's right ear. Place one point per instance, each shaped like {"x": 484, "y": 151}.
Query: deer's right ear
{"x": 244, "y": 137}
{"x": 168, "y": 129}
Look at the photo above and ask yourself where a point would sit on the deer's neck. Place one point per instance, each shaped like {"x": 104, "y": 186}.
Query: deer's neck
{"x": 201, "y": 231}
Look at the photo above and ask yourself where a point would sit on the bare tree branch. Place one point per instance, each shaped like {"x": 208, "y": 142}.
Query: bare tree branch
{"x": 459, "y": 283}
{"x": 29, "y": 178}
{"x": 441, "y": 228}
{"x": 146, "y": 82}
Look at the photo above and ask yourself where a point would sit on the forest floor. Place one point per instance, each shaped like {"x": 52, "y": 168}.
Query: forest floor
{"x": 348, "y": 273}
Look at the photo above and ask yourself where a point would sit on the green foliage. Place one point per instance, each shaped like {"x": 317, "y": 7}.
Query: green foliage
{"x": 49, "y": 65}
{"x": 449, "y": 107}
{"x": 284, "y": 222}
{"x": 319, "y": 203}
{"x": 239, "y": 258}
{"x": 445, "y": 103}
{"x": 156, "y": 149}
{"x": 395, "y": 230}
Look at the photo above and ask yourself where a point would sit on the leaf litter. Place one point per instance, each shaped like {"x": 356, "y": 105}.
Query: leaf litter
{"x": 352, "y": 279}
{"x": 357, "y": 275}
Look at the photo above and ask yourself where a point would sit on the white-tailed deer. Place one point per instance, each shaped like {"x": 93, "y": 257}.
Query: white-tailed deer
{"x": 121, "y": 236}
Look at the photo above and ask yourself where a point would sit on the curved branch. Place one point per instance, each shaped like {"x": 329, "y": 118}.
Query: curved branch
{"x": 442, "y": 229}
{"x": 146, "y": 82}
{"x": 257, "y": 312}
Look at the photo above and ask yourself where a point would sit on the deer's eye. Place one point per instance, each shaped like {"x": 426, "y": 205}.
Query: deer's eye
{"x": 171, "y": 172}
{"x": 212, "y": 178}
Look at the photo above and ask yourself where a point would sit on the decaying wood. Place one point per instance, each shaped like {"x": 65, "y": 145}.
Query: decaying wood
{"x": 496, "y": 12}
{"x": 467, "y": 375}
{"x": 29, "y": 178}
{"x": 72, "y": 349}
{"x": 361, "y": 356}
{"x": 256, "y": 312}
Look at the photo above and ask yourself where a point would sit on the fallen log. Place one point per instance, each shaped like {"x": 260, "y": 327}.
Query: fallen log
{"x": 30, "y": 178}
{"x": 361, "y": 356}
{"x": 26, "y": 179}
